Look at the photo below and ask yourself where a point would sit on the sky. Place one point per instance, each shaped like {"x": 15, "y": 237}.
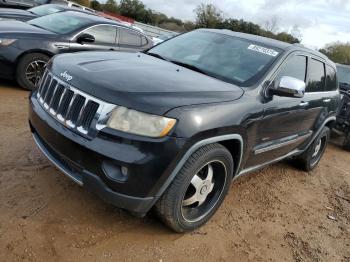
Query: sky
{"x": 320, "y": 21}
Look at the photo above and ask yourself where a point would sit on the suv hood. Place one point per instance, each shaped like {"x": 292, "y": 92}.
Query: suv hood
{"x": 139, "y": 81}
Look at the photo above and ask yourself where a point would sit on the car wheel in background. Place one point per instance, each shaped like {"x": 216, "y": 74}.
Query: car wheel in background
{"x": 312, "y": 156}
{"x": 346, "y": 144}
{"x": 198, "y": 189}
{"x": 30, "y": 70}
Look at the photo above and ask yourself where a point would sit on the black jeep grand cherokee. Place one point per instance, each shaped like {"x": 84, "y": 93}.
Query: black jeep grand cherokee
{"x": 172, "y": 126}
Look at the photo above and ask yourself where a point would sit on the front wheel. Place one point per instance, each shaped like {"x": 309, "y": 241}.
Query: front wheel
{"x": 30, "y": 69}
{"x": 312, "y": 156}
{"x": 198, "y": 189}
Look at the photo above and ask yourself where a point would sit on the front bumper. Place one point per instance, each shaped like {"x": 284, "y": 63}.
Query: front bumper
{"x": 149, "y": 163}
{"x": 6, "y": 68}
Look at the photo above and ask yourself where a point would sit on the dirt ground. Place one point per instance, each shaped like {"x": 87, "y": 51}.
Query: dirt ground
{"x": 277, "y": 214}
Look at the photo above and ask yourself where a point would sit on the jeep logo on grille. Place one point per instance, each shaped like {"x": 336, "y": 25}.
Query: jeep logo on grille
{"x": 66, "y": 76}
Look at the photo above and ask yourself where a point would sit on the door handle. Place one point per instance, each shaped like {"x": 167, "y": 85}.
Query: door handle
{"x": 304, "y": 104}
{"x": 327, "y": 100}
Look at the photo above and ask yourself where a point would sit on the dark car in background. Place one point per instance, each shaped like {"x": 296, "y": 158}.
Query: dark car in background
{"x": 35, "y": 12}
{"x": 342, "y": 127}
{"x": 25, "y": 48}
{"x": 172, "y": 126}
{"x": 26, "y": 4}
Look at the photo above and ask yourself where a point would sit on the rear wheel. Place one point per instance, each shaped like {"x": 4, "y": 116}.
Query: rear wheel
{"x": 30, "y": 70}
{"x": 312, "y": 156}
{"x": 198, "y": 189}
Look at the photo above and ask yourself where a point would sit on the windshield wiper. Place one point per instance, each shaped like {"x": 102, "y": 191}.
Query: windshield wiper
{"x": 189, "y": 66}
{"x": 156, "y": 55}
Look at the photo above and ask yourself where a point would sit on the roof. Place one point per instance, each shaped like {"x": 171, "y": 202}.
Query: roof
{"x": 269, "y": 41}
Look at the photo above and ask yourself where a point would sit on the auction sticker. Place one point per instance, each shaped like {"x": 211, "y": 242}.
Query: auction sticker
{"x": 263, "y": 50}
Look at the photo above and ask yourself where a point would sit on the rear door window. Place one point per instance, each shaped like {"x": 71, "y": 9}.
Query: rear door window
{"x": 331, "y": 79}
{"x": 104, "y": 34}
{"x": 316, "y": 76}
{"x": 129, "y": 37}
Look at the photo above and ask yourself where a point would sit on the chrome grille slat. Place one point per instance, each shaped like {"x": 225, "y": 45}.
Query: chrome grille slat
{"x": 75, "y": 109}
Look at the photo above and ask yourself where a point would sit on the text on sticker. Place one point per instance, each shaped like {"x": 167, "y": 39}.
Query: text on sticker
{"x": 263, "y": 50}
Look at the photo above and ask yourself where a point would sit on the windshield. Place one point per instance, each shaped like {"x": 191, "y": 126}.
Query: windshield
{"x": 61, "y": 23}
{"x": 343, "y": 74}
{"x": 45, "y": 10}
{"x": 232, "y": 59}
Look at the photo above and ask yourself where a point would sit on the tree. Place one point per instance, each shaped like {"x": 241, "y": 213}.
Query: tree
{"x": 208, "y": 16}
{"x": 295, "y": 32}
{"x": 110, "y": 6}
{"x": 135, "y": 9}
{"x": 338, "y": 52}
{"x": 271, "y": 24}
{"x": 96, "y": 5}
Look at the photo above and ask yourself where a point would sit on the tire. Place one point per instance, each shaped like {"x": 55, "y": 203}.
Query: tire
{"x": 27, "y": 66}
{"x": 176, "y": 208}
{"x": 346, "y": 144}
{"x": 312, "y": 156}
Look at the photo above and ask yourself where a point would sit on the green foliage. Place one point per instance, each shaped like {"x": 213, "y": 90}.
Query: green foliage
{"x": 96, "y": 5}
{"x": 208, "y": 16}
{"x": 338, "y": 52}
{"x": 134, "y": 9}
{"x": 110, "y": 6}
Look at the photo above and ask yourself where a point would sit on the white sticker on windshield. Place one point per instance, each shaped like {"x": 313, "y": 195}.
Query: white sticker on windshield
{"x": 263, "y": 50}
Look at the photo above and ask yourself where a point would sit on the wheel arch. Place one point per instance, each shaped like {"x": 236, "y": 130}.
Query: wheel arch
{"x": 32, "y": 51}
{"x": 232, "y": 142}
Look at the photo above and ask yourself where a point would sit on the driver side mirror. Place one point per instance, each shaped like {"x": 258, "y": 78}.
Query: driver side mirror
{"x": 85, "y": 38}
{"x": 289, "y": 87}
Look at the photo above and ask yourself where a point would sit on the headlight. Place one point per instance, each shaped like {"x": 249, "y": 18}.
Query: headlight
{"x": 132, "y": 121}
{"x": 6, "y": 42}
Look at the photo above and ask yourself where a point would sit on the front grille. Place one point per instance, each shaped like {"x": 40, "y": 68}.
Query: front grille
{"x": 75, "y": 109}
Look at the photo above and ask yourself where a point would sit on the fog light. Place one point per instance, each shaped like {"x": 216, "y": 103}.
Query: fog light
{"x": 114, "y": 171}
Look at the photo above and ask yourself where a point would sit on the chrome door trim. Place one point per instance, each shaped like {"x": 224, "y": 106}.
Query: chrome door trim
{"x": 285, "y": 142}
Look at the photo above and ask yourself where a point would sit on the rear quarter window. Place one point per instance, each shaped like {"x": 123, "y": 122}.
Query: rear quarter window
{"x": 129, "y": 37}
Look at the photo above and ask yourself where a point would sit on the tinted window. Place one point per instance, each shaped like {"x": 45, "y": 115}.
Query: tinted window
{"x": 232, "y": 59}
{"x": 331, "y": 79}
{"x": 129, "y": 37}
{"x": 103, "y": 34}
{"x": 294, "y": 67}
{"x": 316, "y": 76}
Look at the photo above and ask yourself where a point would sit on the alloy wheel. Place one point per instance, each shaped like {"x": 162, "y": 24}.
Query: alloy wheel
{"x": 204, "y": 191}
{"x": 34, "y": 71}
